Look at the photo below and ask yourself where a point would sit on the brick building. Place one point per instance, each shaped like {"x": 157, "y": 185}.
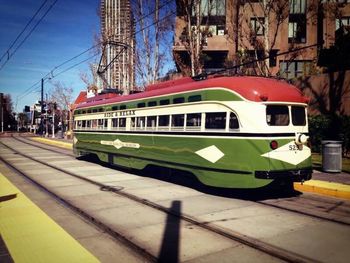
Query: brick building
{"x": 236, "y": 31}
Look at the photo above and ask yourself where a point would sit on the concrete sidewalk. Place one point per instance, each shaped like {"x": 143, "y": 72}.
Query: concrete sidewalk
{"x": 330, "y": 184}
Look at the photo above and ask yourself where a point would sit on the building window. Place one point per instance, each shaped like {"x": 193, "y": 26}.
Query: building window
{"x": 211, "y": 8}
{"x": 344, "y": 21}
{"x": 297, "y": 29}
{"x": 257, "y": 25}
{"x": 297, "y": 7}
{"x": 295, "y": 69}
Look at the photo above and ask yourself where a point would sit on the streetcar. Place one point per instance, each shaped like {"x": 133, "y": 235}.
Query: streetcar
{"x": 228, "y": 131}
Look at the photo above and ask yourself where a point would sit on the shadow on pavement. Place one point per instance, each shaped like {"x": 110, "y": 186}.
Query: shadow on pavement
{"x": 186, "y": 179}
{"x": 169, "y": 251}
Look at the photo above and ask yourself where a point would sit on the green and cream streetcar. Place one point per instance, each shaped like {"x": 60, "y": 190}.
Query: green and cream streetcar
{"x": 234, "y": 132}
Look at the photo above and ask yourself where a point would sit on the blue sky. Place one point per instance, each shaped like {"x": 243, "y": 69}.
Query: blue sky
{"x": 67, "y": 30}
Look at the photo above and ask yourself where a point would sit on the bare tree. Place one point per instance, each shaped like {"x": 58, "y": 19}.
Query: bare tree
{"x": 259, "y": 32}
{"x": 154, "y": 22}
{"x": 62, "y": 96}
{"x": 195, "y": 15}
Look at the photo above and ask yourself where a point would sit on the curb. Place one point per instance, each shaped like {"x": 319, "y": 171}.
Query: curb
{"x": 324, "y": 188}
{"x": 66, "y": 145}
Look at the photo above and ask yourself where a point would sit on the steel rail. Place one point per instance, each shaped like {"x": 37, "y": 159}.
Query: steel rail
{"x": 257, "y": 244}
{"x": 100, "y": 225}
{"x": 310, "y": 214}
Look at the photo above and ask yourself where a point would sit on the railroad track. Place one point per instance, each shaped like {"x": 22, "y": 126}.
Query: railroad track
{"x": 306, "y": 204}
{"x": 254, "y": 243}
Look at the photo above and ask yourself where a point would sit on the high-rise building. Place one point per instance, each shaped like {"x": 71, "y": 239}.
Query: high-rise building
{"x": 118, "y": 59}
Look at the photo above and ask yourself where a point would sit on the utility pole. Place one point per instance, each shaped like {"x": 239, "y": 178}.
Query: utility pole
{"x": 2, "y": 111}
{"x": 42, "y": 107}
{"x": 53, "y": 120}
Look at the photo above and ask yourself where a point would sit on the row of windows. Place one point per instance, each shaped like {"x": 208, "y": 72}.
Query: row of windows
{"x": 190, "y": 121}
{"x": 178, "y": 100}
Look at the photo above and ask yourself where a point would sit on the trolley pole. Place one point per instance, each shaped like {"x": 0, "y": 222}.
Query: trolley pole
{"x": 42, "y": 107}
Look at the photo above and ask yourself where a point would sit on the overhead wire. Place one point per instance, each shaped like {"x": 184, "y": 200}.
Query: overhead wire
{"x": 28, "y": 35}
{"x": 24, "y": 29}
{"x": 51, "y": 72}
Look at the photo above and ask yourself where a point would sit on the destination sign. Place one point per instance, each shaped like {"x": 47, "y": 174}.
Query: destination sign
{"x": 119, "y": 114}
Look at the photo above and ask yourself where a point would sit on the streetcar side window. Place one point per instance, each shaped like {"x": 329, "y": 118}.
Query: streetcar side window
{"x": 141, "y": 105}
{"x": 298, "y": 116}
{"x": 94, "y": 123}
{"x": 194, "y": 98}
{"x": 132, "y": 123}
{"x": 215, "y": 120}
{"x": 178, "y": 120}
{"x": 140, "y": 122}
{"x": 164, "y": 102}
{"x": 114, "y": 123}
{"x": 152, "y": 104}
{"x": 151, "y": 122}
{"x": 194, "y": 120}
{"x": 163, "y": 121}
{"x": 277, "y": 115}
{"x": 233, "y": 121}
{"x": 122, "y": 122}
{"x": 100, "y": 123}
{"x": 83, "y": 125}
{"x": 114, "y": 107}
{"x": 88, "y": 124}
{"x": 179, "y": 100}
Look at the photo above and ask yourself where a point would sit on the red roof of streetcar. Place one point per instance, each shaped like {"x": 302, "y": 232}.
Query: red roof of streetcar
{"x": 256, "y": 89}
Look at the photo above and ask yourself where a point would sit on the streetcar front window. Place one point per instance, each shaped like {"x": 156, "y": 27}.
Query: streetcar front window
{"x": 298, "y": 116}
{"x": 277, "y": 115}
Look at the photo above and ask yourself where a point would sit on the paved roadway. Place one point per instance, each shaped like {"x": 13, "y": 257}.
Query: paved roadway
{"x": 310, "y": 234}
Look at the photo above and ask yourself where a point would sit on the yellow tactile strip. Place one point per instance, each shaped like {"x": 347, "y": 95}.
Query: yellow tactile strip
{"x": 324, "y": 188}
{"x": 32, "y": 236}
{"x": 53, "y": 142}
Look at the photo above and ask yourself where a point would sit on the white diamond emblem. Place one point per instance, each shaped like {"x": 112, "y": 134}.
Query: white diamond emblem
{"x": 211, "y": 153}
